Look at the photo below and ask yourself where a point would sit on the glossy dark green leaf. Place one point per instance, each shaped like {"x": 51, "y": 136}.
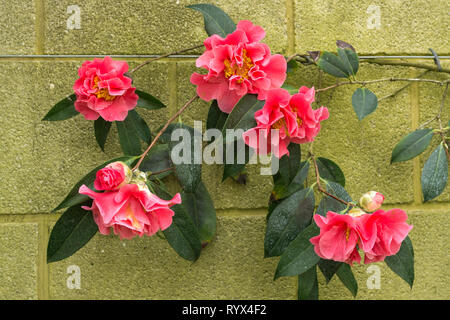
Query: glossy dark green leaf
{"x": 158, "y": 159}
{"x": 101, "y": 129}
{"x": 201, "y": 209}
{"x": 329, "y": 170}
{"x": 148, "y": 101}
{"x": 299, "y": 256}
{"x": 216, "y": 21}
{"x": 64, "y": 109}
{"x": 71, "y": 232}
{"x": 332, "y": 64}
{"x": 128, "y": 137}
{"x": 216, "y": 118}
{"x": 402, "y": 263}
{"x": 292, "y": 65}
{"x": 434, "y": 174}
{"x": 235, "y": 166}
{"x": 350, "y": 60}
{"x": 328, "y": 203}
{"x": 287, "y": 220}
{"x": 182, "y": 235}
{"x": 345, "y": 274}
{"x": 297, "y": 183}
{"x": 74, "y": 198}
{"x": 288, "y": 166}
{"x": 189, "y": 170}
{"x": 308, "y": 286}
{"x": 329, "y": 268}
{"x": 364, "y": 102}
{"x": 412, "y": 145}
{"x": 243, "y": 114}
{"x": 140, "y": 125}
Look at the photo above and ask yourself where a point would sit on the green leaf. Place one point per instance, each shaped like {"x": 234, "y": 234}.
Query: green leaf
{"x": 308, "y": 286}
{"x": 403, "y": 262}
{"x": 216, "y": 118}
{"x": 329, "y": 268}
{"x": 329, "y": 170}
{"x": 243, "y": 114}
{"x": 299, "y": 256}
{"x": 63, "y": 110}
{"x": 216, "y": 21}
{"x": 148, "y": 101}
{"x": 329, "y": 204}
{"x": 350, "y": 60}
{"x": 345, "y": 274}
{"x": 140, "y": 125}
{"x": 434, "y": 174}
{"x": 189, "y": 172}
{"x": 201, "y": 209}
{"x": 128, "y": 137}
{"x": 101, "y": 129}
{"x": 71, "y": 232}
{"x": 157, "y": 159}
{"x": 412, "y": 145}
{"x": 74, "y": 198}
{"x": 287, "y": 220}
{"x": 292, "y": 65}
{"x": 364, "y": 102}
{"x": 288, "y": 166}
{"x": 333, "y": 65}
{"x": 232, "y": 168}
{"x": 182, "y": 235}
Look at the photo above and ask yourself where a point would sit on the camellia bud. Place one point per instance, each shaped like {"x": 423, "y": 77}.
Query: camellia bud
{"x": 112, "y": 177}
{"x": 371, "y": 201}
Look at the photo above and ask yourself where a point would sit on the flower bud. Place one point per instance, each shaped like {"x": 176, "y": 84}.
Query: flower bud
{"x": 112, "y": 177}
{"x": 371, "y": 201}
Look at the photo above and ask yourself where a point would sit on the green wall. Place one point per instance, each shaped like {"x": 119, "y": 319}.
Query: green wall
{"x": 40, "y": 161}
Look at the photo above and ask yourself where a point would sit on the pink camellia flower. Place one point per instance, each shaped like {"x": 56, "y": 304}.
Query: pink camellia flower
{"x": 114, "y": 176}
{"x": 293, "y": 116}
{"x": 383, "y": 234}
{"x": 103, "y": 91}
{"x": 338, "y": 238}
{"x": 275, "y": 115}
{"x": 308, "y": 119}
{"x": 371, "y": 201}
{"x": 132, "y": 210}
{"x": 237, "y": 65}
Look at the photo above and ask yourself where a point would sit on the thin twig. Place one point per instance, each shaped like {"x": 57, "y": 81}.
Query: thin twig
{"x": 363, "y": 83}
{"x": 162, "y": 171}
{"x": 406, "y": 64}
{"x": 164, "y": 129}
{"x": 163, "y": 56}
{"x": 291, "y": 57}
{"x": 439, "y": 116}
{"x": 393, "y": 94}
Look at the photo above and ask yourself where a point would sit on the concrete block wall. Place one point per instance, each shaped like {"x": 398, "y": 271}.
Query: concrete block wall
{"x": 40, "y": 161}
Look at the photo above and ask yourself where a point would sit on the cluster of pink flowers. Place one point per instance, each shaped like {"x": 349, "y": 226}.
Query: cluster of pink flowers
{"x": 237, "y": 65}
{"x": 378, "y": 235}
{"x": 292, "y": 116}
{"x": 103, "y": 90}
{"x": 127, "y": 207}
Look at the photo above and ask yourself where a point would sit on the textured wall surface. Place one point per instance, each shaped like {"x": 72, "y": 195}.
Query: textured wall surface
{"x": 40, "y": 161}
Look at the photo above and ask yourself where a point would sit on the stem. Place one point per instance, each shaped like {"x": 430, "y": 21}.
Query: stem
{"x": 163, "y": 56}
{"x": 406, "y": 64}
{"x": 319, "y": 186}
{"x": 164, "y": 129}
{"x": 439, "y": 115}
{"x": 384, "y": 80}
{"x": 162, "y": 171}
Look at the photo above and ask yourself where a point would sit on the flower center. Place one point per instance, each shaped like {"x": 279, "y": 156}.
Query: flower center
{"x": 233, "y": 69}
{"x": 347, "y": 234}
{"x": 130, "y": 215}
{"x": 102, "y": 93}
{"x": 281, "y": 123}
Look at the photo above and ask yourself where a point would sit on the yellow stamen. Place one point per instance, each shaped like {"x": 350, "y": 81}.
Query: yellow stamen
{"x": 102, "y": 93}
{"x": 281, "y": 123}
{"x": 347, "y": 234}
{"x": 236, "y": 70}
{"x": 131, "y": 216}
